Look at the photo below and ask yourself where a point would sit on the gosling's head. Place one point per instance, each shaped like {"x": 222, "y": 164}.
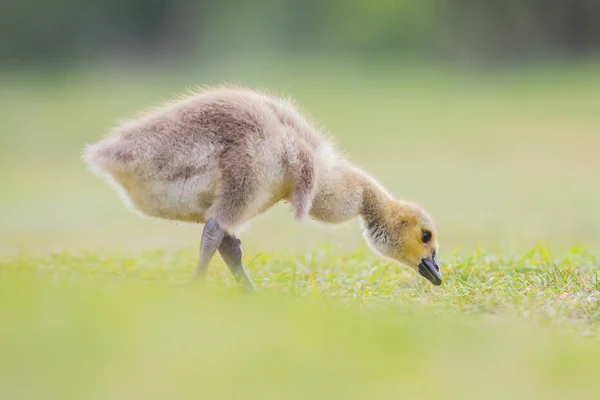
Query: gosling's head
{"x": 405, "y": 232}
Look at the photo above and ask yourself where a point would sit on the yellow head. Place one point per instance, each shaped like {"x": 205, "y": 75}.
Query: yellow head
{"x": 404, "y": 232}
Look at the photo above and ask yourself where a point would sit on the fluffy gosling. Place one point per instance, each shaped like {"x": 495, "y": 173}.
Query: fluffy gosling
{"x": 224, "y": 155}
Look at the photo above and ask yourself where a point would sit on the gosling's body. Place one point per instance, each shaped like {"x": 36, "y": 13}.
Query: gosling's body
{"x": 225, "y": 155}
{"x": 228, "y": 153}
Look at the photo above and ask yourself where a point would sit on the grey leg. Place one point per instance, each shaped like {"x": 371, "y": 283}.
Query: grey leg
{"x": 212, "y": 235}
{"x": 231, "y": 251}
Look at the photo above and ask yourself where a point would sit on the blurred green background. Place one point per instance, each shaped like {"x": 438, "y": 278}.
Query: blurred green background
{"x": 485, "y": 112}
{"x": 62, "y": 31}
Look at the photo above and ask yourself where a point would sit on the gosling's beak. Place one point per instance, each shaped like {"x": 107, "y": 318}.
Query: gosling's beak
{"x": 430, "y": 270}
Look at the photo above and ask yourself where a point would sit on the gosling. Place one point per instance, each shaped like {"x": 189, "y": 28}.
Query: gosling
{"x": 224, "y": 155}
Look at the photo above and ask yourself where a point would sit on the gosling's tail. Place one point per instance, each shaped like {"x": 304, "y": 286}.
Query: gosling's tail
{"x": 109, "y": 156}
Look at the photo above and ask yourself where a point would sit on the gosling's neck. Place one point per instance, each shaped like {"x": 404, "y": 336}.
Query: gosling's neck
{"x": 346, "y": 192}
{"x": 375, "y": 206}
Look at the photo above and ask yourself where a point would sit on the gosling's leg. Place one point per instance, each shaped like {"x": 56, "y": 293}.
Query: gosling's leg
{"x": 231, "y": 251}
{"x": 212, "y": 235}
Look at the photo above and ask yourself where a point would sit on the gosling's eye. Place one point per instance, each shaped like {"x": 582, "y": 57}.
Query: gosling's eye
{"x": 426, "y": 236}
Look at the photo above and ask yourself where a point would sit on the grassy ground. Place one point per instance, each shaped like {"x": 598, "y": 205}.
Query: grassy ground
{"x": 92, "y": 302}
{"x": 326, "y": 325}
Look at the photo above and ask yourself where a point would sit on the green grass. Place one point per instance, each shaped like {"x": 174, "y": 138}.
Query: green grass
{"x": 326, "y": 325}
{"x": 536, "y": 285}
{"x": 93, "y": 301}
